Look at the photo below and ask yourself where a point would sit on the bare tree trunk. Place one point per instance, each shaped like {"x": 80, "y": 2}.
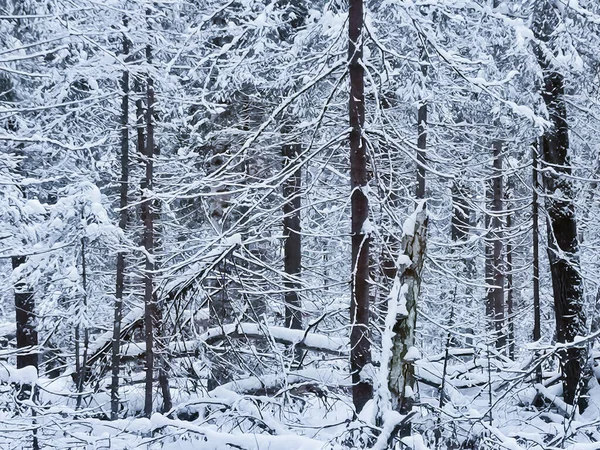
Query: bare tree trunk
{"x": 510, "y": 309}
{"x": 489, "y": 259}
{"x": 498, "y": 263}
{"x": 422, "y": 138}
{"x": 537, "y": 328}
{"x": 563, "y": 247}
{"x": 401, "y": 381}
{"x": 537, "y": 333}
{"x": 292, "y": 244}
{"x": 360, "y": 346}
{"x": 82, "y": 371}
{"x": 27, "y": 337}
{"x": 148, "y": 221}
{"x": 123, "y": 202}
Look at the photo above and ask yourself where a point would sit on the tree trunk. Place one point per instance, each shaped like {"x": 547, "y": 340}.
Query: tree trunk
{"x": 406, "y": 290}
{"x": 510, "y": 309}
{"x": 407, "y": 286}
{"x": 120, "y": 287}
{"x": 489, "y": 259}
{"x": 537, "y": 328}
{"x": 82, "y": 368}
{"x": 422, "y": 137}
{"x": 148, "y": 222}
{"x": 537, "y": 313}
{"x": 360, "y": 346}
{"x": 27, "y": 337}
{"x": 292, "y": 244}
{"x": 498, "y": 263}
{"x": 563, "y": 247}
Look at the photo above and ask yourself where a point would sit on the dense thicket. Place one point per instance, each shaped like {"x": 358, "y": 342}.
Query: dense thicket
{"x": 300, "y": 224}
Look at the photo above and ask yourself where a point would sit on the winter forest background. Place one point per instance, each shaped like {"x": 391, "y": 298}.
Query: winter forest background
{"x": 297, "y": 224}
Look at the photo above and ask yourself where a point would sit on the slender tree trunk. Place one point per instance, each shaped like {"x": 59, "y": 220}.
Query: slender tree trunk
{"x": 81, "y": 374}
{"x": 537, "y": 328}
{"x": 422, "y": 138}
{"x": 27, "y": 337}
{"x": 292, "y": 244}
{"x": 489, "y": 259}
{"x": 120, "y": 287}
{"x": 360, "y": 346}
{"x": 148, "y": 222}
{"x": 401, "y": 380}
{"x": 563, "y": 247}
{"x": 461, "y": 225}
{"x": 498, "y": 263}
{"x": 407, "y": 287}
{"x": 510, "y": 309}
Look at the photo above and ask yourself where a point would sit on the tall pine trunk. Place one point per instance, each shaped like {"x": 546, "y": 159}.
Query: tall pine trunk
{"x": 148, "y": 242}
{"x": 120, "y": 282}
{"x": 292, "y": 244}
{"x": 563, "y": 247}
{"x": 27, "y": 337}
{"x": 537, "y": 328}
{"x": 360, "y": 345}
{"x": 510, "y": 297}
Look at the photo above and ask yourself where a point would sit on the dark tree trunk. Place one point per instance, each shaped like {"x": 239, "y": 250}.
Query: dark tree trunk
{"x": 148, "y": 242}
{"x": 510, "y": 307}
{"x": 421, "y": 140}
{"x": 489, "y": 259}
{"x": 82, "y": 367}
{"x": 421, "y": 145}
{"x": 120, "y": 287}
{"x": 563, "y": 254}
{"x": 537, "y": 328}
{"x": 563, "y": 247}
{"x": 27, "y": 337}
{"x": 360, "y": 346}
{"x": 292, "y": 245}
{"x": 498, "y": 263}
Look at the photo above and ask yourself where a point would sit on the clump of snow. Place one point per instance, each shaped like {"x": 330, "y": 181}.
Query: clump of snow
{"x": 33, "y": 207}
{"x": 412, "y": 354}
{"x": 25, "y": 375}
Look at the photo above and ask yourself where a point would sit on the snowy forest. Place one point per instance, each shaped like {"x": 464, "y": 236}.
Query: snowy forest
{"x": 300, "y": 224}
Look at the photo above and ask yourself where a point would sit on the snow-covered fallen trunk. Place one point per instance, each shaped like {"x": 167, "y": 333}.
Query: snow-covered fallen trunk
{"x": 281, "y": 335}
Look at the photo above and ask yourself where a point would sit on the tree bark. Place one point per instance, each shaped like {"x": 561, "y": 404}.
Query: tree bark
{"x": 537, "y": 328}
{"x": 498, "y": 263}
{"x": 27, "y": 337}
{"x": 510, "y": 307}
{"x": 360, "y": 346}
{"x": 422, "y": 137}
{"x": 120, "y": 282}
{"x": 148, "y": 222}
{"x": 563, "y": 247}
{"x": 292, "y": 244}
{"x": 401, "y": 380}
